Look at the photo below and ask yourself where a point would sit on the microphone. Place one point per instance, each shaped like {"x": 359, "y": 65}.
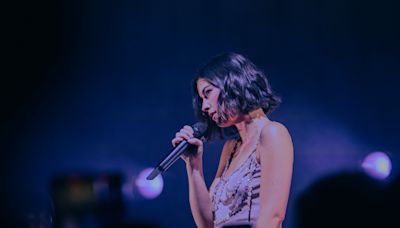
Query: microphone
{"x": 199, "y": 129}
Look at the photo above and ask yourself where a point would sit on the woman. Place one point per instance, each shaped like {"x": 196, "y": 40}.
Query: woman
{"x": 253, "y": 178}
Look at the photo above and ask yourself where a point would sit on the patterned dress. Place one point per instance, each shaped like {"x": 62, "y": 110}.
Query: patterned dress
{"x": 236, "y": 198}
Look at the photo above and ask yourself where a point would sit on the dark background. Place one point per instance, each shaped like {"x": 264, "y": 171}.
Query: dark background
{"x": 102, "y": 86}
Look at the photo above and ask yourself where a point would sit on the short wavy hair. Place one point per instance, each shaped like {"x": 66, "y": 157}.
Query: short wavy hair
{"x": 243, "y": 88}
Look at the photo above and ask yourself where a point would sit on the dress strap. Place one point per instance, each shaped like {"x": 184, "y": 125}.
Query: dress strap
{"x": 233, "y": 153}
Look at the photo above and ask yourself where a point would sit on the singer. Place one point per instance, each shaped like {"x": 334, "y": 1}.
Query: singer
{"x": 252, "y": 183}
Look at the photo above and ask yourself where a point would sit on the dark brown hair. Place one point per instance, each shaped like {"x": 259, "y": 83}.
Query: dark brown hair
{"x": 243, "y": 88}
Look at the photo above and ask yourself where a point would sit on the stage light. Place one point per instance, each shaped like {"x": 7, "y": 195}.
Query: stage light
{"x": 377, "y": 165}
{"x": 149, "y": 188}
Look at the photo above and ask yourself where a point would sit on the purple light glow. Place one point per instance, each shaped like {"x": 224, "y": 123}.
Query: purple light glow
{"x": 377, "y": 165}
{"x": 149, "y": 188}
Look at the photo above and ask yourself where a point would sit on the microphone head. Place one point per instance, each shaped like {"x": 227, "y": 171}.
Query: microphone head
{"x": 199, "y": 129}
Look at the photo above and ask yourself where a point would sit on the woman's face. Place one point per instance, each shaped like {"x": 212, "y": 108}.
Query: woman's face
{"x": 209, "y": 95}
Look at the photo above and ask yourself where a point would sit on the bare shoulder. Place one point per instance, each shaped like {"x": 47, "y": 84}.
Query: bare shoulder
{"x": 274, "y": 130}
{"x": 275, "y": 138}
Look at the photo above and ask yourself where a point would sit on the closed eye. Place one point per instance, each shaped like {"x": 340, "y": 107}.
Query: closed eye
{"x": 207, "y": 92}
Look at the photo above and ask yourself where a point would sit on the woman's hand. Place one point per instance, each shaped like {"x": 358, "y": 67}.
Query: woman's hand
{"x": 190, "y": 158}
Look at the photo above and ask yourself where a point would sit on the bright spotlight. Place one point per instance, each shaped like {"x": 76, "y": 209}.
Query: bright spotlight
{"x": 149, "y": 188}
{"x": 377, "y": 165}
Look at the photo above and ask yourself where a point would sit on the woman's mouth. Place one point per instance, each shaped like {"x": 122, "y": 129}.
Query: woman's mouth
{"x": 213, "y": 116}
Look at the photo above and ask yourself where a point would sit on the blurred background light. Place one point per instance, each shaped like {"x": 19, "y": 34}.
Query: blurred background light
{"x": 149, "y": 188}
{"x": 377, "y": 165}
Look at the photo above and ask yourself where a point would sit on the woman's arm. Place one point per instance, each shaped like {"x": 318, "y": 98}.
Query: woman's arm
{"x": 200, "y": 202}
{"x": 276, "y": 157}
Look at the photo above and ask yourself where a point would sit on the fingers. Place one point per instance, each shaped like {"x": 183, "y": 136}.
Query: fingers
{"x": 186, "y": 133}
{"x": 176, "y": 140}
{"x": 179, "y": 137}
{"x": 188, "y": 129}
{"x": 195, "y": 141}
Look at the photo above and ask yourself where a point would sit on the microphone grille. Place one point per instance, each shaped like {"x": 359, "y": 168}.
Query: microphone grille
{"x": 199, "y": 129}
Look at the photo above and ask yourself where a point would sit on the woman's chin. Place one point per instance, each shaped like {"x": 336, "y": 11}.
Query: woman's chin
{"x": 223, "y": 125}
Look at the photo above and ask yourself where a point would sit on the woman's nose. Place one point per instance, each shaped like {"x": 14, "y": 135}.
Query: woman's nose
{"x": 205, "y": 106}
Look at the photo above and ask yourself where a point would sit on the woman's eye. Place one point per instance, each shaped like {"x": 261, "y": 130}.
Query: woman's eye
{"x": 207, "y": 92}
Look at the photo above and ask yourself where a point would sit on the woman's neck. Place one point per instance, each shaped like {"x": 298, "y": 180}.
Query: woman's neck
{"x": 251, "y": 125}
